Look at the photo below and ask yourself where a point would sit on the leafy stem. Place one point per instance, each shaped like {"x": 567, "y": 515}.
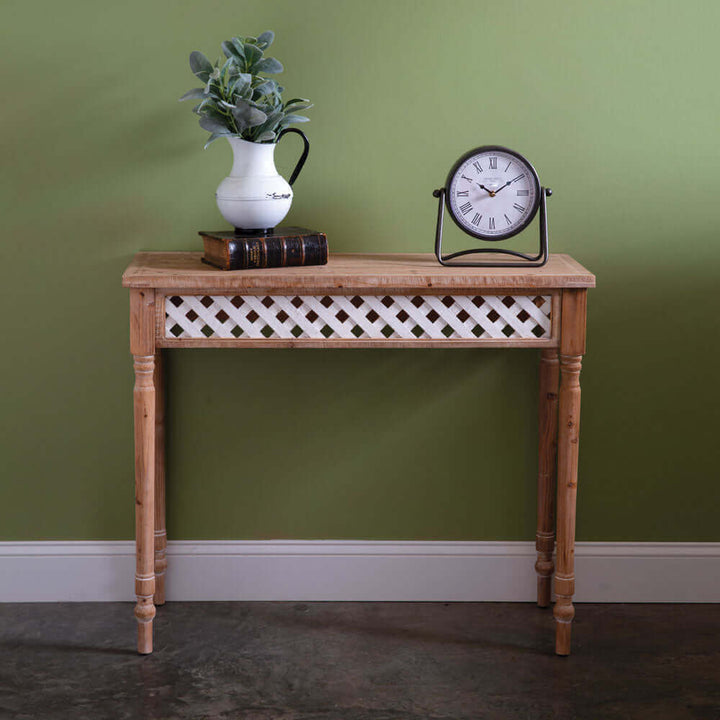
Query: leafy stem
{"x": 238, "y": 99}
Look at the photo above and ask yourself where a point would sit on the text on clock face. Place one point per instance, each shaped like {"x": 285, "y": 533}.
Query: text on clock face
{"x": 492, "y": 192}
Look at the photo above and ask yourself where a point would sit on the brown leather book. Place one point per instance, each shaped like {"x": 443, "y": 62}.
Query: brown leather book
{"x": 284, "y": 247}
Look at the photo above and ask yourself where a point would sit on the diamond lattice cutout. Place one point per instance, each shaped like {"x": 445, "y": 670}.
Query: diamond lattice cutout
{"x": 371, "y": 317}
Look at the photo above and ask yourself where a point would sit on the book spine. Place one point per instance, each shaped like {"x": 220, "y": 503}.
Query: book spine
{"x": 216, "y": 252}
{"x": 248, "y": 253}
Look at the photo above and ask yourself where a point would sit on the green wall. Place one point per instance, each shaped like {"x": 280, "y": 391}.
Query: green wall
{"x": 615, "y": 103}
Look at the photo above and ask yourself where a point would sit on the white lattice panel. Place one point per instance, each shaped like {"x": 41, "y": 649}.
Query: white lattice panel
{"x": 366, "y": 317}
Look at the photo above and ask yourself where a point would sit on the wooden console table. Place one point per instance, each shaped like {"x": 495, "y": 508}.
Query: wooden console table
{"x": 361, "y": 301}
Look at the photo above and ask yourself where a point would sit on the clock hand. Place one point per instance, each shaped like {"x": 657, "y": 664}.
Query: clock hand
{"x": 491, "y": 193}
{"x": 503, "y": 187}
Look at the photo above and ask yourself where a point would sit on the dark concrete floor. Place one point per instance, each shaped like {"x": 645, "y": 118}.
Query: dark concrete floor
{"x": 359, "y": 661}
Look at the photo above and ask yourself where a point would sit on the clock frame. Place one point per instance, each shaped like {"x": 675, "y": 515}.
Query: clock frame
{"x": 538, "y": 204}
{"x": 514, "y": 230}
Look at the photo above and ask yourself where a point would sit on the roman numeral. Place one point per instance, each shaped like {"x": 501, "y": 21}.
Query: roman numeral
{"x": 477, "y": 167}
{"x": 466, "y": 208}
{"x": 508, "y": 165}
{"x": 493, "y": 163}
{"x": 476, "y": 220}
{"x": 517, "y": 178}
{"x": 523, "y": 193}
{"x": 507, "y": 220}
{"x": 519, "y": 207}
{"x": 465, "y": 177}
{"x": 461, "y": 193}
{"x": 491, "y": 223}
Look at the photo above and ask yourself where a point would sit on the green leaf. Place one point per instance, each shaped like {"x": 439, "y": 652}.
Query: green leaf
{"x": 224, "y": 117}
{"x": 252, "y": 55}
{"x": 247, "y": 116}
{"x": 266, "y": 136}
{"x": 294, "y": 119}
{"x": 232, "y": 52}
{"x": 200, "y": 65}
{"x": 228, "y": 64}
{"x": 272, "y": 122}
{"x": 265, "y": 40}
{"x": 213, "y": 137}
{"x": 214, "y": 125}
{"x": 201, "y": 105}
{"x": 267, "y": 87}
{"x": 295, "y": 106}
{"x": 227, "y": 48}
{"x": 239, "y": 47}
{"x": 241, "y": 84}
{"x": 268, "y": 65}
{"x": 296, "y": 100}
{"x": 194, "y": 94}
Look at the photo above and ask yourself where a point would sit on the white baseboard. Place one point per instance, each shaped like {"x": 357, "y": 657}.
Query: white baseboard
{"x": 358, "y": 570}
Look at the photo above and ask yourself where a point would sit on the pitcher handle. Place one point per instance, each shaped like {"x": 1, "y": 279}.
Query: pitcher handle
{"x": 303, "y": 157}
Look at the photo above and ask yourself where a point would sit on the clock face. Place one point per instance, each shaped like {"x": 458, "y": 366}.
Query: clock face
{"x": 492, "y": 192}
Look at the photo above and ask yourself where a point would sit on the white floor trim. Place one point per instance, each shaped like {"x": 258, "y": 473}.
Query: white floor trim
{"x": 52, "y": 571}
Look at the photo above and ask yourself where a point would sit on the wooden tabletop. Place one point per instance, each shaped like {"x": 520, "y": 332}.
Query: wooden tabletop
{"x": 350, "y": 272}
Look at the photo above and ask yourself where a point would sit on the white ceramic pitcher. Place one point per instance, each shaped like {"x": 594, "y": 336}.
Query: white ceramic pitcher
{"x": 254, "y": 196}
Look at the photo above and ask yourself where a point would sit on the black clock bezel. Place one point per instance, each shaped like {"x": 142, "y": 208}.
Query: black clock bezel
{"x": 483, "y": 149}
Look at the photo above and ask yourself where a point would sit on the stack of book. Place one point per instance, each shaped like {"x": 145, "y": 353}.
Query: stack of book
{"x": 281, "y": 247}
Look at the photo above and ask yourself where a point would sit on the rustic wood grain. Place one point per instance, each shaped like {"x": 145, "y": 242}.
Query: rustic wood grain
{"x": 160, "y": 532}
{"x": 572, "y": 347}
{"x": 548, "y": 431}
{"x": 142, "y": 312}
{"x": 350, "y": 273}
{"x": 152, "y": 276}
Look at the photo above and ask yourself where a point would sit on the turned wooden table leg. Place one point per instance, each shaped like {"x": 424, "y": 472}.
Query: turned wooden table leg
{"x": 548, "y": 427}
{"x": 160, "y": 532}
{"x": 572, "y": 347}
{"x": 142, "y": 303}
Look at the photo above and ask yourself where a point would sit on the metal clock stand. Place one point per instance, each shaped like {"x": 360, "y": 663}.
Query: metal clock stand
{"x": 525, "y": 260}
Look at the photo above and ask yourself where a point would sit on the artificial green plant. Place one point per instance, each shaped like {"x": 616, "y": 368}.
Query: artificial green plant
{"x": 237, "y": 100}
